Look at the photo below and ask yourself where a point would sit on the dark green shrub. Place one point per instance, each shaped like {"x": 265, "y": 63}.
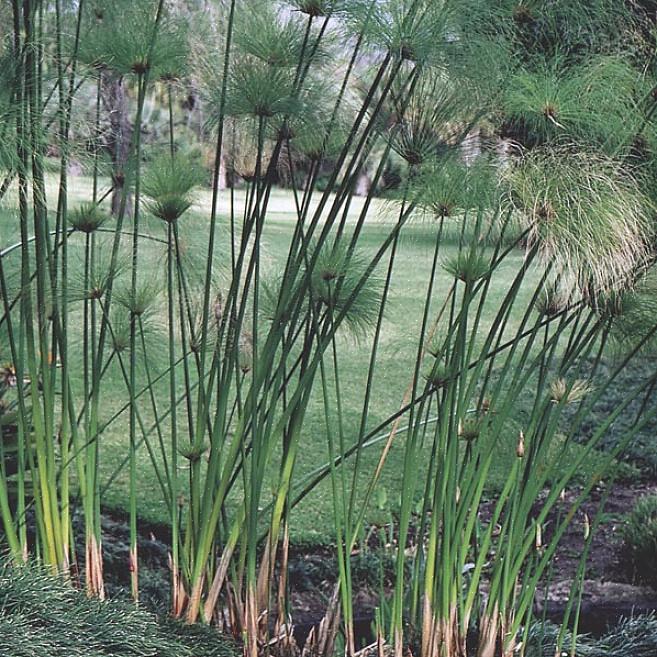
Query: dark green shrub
{"x": 640, "y": 534}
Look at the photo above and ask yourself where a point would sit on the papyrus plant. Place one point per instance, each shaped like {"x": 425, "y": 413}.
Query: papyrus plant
{"x": 295, "y": 92}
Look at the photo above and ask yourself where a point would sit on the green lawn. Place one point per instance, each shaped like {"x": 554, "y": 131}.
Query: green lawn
{"x": 313, "y": 518}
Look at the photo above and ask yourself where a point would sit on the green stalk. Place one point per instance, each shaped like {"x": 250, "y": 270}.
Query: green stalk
{"x": 134, "y": 558}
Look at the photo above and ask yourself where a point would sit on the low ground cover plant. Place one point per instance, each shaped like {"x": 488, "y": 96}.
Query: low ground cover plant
{"x": 636, "y": 636}
{"x": 43, "y": 616}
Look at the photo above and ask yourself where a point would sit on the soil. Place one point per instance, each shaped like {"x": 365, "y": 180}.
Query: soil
{"x": 606, "y": 562}
{"x": 608, "y": 593}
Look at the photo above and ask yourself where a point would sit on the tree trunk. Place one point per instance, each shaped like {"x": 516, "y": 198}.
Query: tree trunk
{"x": 471, "y": 147}
{"x": 363, "y": 184}
{"x": 119, "y": 135}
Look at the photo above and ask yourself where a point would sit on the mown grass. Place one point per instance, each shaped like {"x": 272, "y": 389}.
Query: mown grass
{"x": 312, "y": 519}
